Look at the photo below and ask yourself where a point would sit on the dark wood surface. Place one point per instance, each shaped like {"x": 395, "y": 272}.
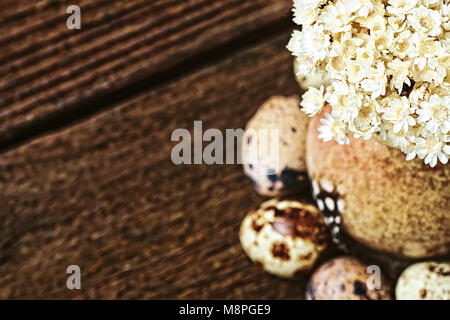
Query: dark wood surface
{"x": 49, "y": 72}
{"x": 97, "y": 188}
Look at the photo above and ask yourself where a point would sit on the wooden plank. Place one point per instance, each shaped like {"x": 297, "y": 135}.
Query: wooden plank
{"x": 46, "y": 69}
{"x": 103, "y": 194}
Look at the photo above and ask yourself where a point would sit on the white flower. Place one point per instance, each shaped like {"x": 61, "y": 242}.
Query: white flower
{"x": 360, "y": 7}
{"x": 365, "y": 8}
{"x": 447, "y": 149}
{"x": 349, "y": 46}
{"x": 333, "y": 129}
{"x": 429, "y": 74}
{"x": 445, "y": 13}
{"x": 356, "y": 71}
{"x": 398, "y": 113}
{"x": 316, "y": 77}
{"x": 336, "y": 18}
{"x": 397, "y": 23}
{"x": 306, "y": 11}
{"x": 311, "y": 42}
{"x": 388, "y": 63}
{"x": 398, "y": 7}
{"x": 431, "y": 149}
{"x": 344, "y": 101}
{"x": 403, "y": 45}
{"x": 399, "y": 69}
{"x": 377, "y": 24}
{"x": 393, "y": 139}
{"x": 376, "y": 82}
{"x": 313, "y": 101}
{"x": 316, "y": 42}
{"x": 435, "y": 72}
{"x": 367, "y": 121}
{"x": 304, "y": 65}
{"x": 295, "y": 43}
{"x": 435, "y": 114}
{"x": 308, "y": 4}
{"x": 444, "y": 61}
{"x": 431, "y": 3}
{"x": 365, "y": 56}
{"x": 383, "y": 40}
{"x": 425, "y": 20}
{"x": 429, "y": 47}
{"x": 336, "y": 66}
{"x": 418, "y": 94}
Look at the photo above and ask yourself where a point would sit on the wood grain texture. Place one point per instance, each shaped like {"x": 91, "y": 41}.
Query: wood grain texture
{"x": 47, "y": 69}
{"x": 104, "y": 194}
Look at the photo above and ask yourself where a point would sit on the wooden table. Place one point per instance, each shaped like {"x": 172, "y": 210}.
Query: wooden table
{"x": 85, "y": 123}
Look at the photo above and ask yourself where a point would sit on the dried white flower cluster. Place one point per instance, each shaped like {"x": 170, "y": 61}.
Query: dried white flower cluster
{"x": 389, "y": 64}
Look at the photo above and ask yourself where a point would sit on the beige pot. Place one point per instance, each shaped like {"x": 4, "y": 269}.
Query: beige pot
{"x": 385, "y": 202}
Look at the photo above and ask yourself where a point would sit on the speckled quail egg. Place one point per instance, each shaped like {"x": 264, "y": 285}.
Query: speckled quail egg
{"x": 274, "y": 147}
{"x": 424, "y": 281}
{"x": 285, "y": 236}
{"x": 371, "y": 192}
{"x": 346, "y": 278}
{"x": 315, "y": 78}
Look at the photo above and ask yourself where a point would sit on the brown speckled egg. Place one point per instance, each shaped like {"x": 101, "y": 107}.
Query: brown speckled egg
{"x": 315, "y": 78}
{"x": 371, "y": 192}
{"x": 424, "y": 281}
{"x": 346, "y": 278}
{"x": 285, "y": 236}
{"x": 273, "y": 171}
